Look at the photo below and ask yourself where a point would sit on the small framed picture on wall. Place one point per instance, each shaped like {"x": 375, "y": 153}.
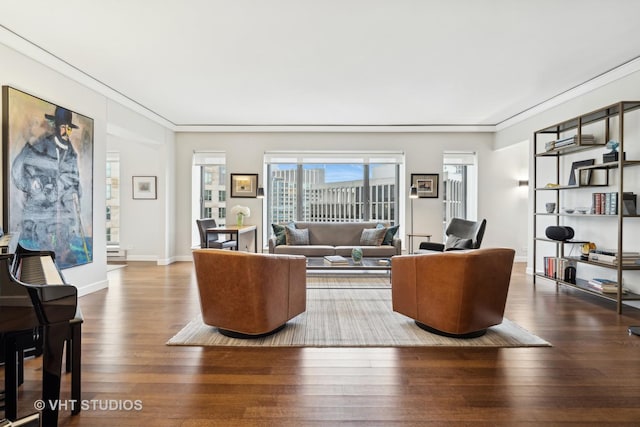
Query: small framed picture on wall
{"x": 426, "y": 183}
{"x": 244, "y": 185}
{"x": 144, "y": 187}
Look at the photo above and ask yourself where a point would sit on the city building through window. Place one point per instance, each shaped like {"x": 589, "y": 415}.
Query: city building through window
{"x": 332, "y": 187}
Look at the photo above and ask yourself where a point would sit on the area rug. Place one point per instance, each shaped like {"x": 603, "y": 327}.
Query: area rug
{"x": 351, "y": 317}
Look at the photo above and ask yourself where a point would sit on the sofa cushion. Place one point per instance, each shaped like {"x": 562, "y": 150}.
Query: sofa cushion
{"x": 372, "y": 236}
{"x": 296, "y": 236}
{"x": 455, "y": 242}
{"x": 388, "y": 237}
{"x": 279, "y": 232}
{"x": 335, "y": 233}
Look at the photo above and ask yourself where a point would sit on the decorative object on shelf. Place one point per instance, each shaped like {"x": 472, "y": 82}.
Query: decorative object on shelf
{"x": 583, "y": 210}
{"x": 586, "y": 248}
{"x": 629, "y": 203}
{"x": 568, "y": 210}
{"x": 576, "y": 177}
{"x": 559, "y": 232}
{"x": 426, "y": 184}
{"x": 550, "y": 207}
{"x": 144, "y": 187}
{"x": 244, "y": 185}
{"x": 570, "y": 274}
{"x": 356, "y": 255}
{"x": 612, "y": 156}
{"x": 240, "y": 212}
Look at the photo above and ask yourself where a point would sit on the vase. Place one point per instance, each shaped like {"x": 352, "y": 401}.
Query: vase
{"x": 239, "y": 220}
{"x": 356, "y": 255}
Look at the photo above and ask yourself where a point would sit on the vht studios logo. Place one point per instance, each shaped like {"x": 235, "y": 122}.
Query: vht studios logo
{"x": 89, "y": 405}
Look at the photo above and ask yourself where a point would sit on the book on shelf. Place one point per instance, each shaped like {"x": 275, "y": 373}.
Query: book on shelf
{"x": 628, "y": 259}
{"x": 556, "y": 268}
{"x": 335, "y": 260}
{"x": 606, "y": 286}
{"x": 612, "y": 289}
{"x": 586, "y": 139}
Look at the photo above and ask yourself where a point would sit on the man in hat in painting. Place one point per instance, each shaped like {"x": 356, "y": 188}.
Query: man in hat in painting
{"x": 47, "y": 172}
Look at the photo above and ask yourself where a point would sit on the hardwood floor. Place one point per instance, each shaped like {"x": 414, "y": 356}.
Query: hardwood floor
{"x": 591, "y": 375}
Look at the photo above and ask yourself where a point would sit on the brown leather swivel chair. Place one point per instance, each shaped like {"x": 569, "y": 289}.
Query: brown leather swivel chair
{"x": 459, "y": 293}
{"x": 249, "y": 295}
{"x": 212, "y": 240}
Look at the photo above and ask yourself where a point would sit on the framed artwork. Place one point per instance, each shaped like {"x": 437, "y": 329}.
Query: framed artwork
{"x": 145, "y": 187}
{"x": 244, "y": 185}
{"x": 47, "y": 177}
{"x": 426, "y": 183}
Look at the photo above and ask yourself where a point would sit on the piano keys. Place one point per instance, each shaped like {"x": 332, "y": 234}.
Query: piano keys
{"x": 24, "y": 307}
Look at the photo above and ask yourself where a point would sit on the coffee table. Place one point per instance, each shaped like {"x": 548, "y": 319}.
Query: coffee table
{"x": 367, "y": 263}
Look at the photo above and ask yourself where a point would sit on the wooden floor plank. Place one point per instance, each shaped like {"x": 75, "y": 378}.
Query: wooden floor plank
{"x": 591, "y": 375}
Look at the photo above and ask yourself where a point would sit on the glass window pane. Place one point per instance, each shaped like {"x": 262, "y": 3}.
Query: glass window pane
{"x": 332, "y": 192}
{"x": 282, "y": 194}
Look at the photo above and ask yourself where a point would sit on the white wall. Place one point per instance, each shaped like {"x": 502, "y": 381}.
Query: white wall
{"x": 146, "y": 149}
{"x": 244, "y": 153}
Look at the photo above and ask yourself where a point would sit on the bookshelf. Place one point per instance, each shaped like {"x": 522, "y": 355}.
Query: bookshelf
{"x": 568, "y": 166}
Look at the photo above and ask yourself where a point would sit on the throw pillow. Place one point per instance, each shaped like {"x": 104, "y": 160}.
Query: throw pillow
{"x": 372, "y": 236}
{"x": 281, "y": 237}
{"x": 455, "y": 242}
{"x": 297, "y": 236}
{"x": 388, "y": 237}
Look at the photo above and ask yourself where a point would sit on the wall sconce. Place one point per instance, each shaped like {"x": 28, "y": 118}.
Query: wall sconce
{"x": 260, "y": 193}
{"x": 523, "y": 183}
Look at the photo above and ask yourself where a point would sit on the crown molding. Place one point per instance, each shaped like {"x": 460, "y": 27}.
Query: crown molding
{"x": 337, "y": 128}
{"x": 29, "y": 49}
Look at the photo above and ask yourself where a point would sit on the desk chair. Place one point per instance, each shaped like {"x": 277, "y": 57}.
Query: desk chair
{"x": 212, "y": 240}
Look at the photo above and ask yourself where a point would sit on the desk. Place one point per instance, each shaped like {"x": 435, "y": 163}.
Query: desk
{"x": 410, "y": 237}
{"x": 236, "y": 232}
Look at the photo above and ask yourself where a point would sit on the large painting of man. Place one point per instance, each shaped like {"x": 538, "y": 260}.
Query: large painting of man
{"x": 48, "y": 177}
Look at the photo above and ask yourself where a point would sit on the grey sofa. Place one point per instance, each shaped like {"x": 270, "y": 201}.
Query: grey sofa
{"x": 336, "y": 238}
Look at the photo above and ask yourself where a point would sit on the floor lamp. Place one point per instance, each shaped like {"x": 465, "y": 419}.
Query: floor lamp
{"x": 260, "y": 195}
{"x": 413, "y": 194}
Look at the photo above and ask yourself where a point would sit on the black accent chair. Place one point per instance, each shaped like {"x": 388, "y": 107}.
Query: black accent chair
{"x": 212, "y": 240}
{"x": 461, "y": 234}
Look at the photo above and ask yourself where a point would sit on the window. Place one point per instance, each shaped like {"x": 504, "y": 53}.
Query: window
{"x": 112, "y": 214}
{"x": 460, "y": 186}
{"x": 209, "y": 195}
{"x": 333, "y": 187}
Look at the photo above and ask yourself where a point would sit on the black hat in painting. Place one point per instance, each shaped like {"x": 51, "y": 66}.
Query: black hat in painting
{"x": 62, "y": 116}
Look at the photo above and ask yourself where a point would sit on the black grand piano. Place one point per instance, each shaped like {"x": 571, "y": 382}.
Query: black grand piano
{"x": 35, "y": 302}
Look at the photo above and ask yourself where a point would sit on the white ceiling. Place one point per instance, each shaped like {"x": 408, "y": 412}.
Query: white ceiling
{"x": 333, "y": 62}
